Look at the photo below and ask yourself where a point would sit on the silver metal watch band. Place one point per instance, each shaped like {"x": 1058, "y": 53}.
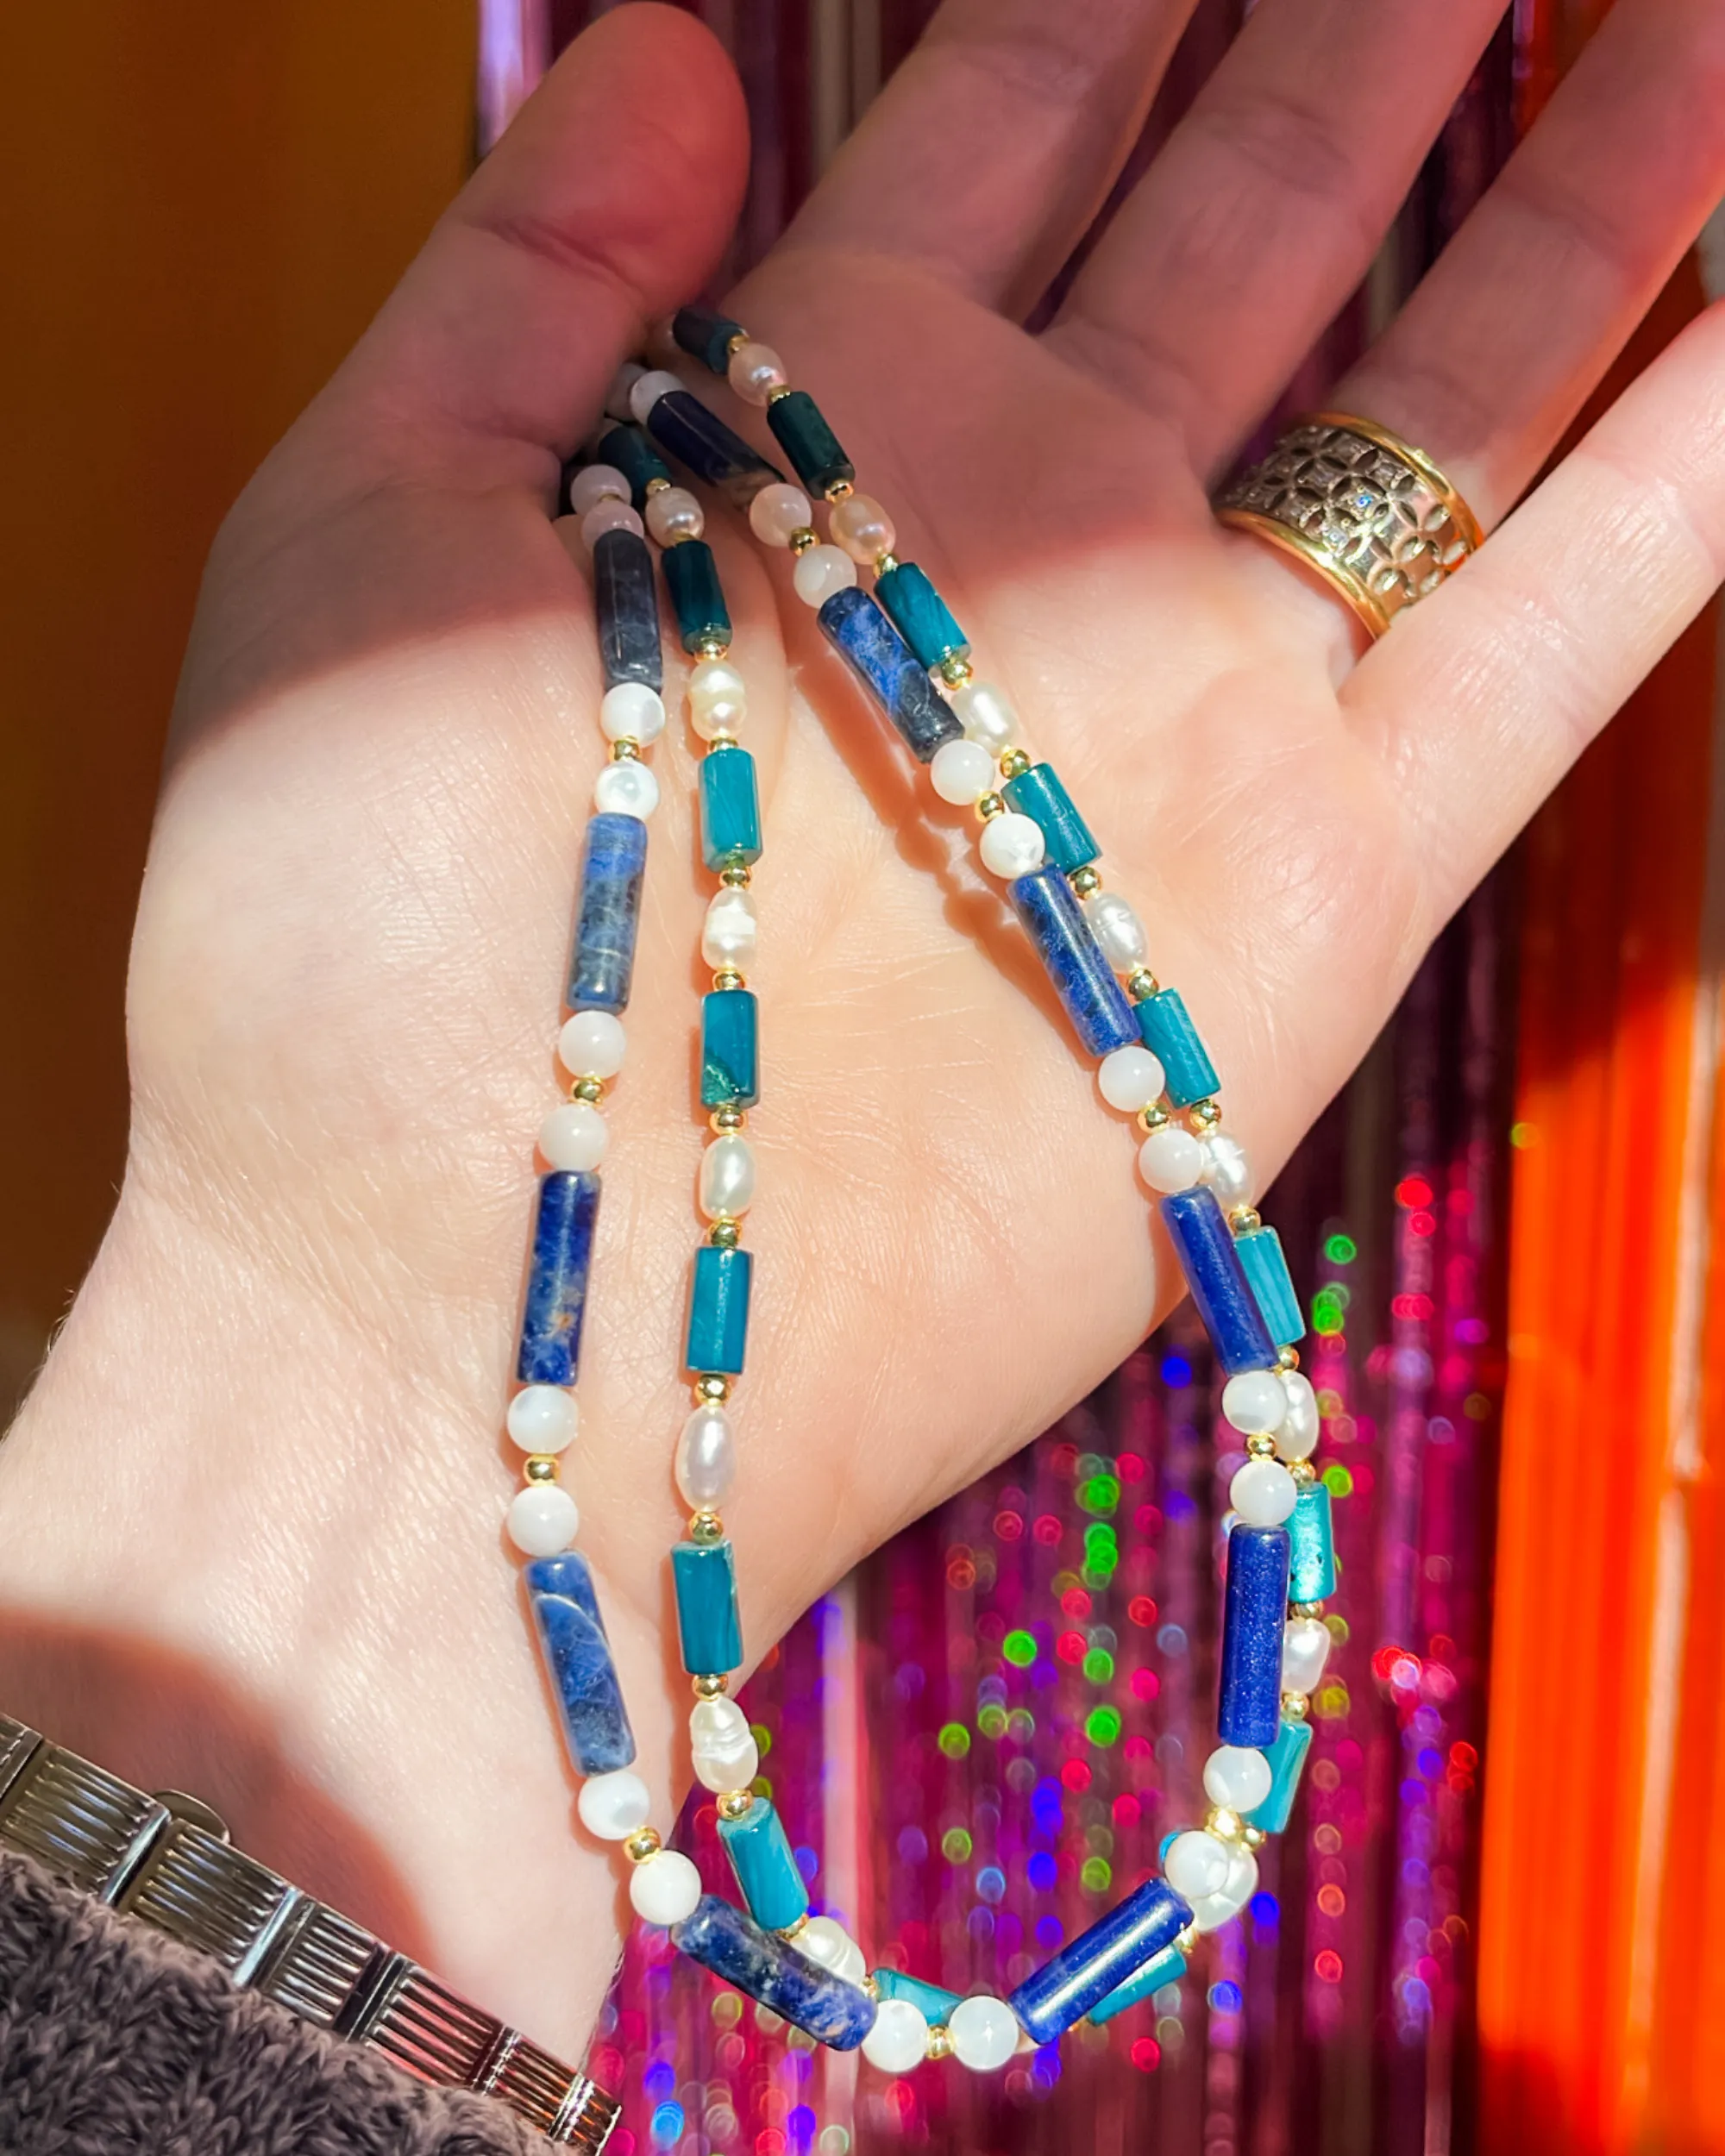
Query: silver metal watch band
{"x": 166, "y": 1861}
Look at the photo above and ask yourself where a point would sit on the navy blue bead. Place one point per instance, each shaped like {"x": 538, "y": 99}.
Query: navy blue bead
{"x": 1086, "y": 1970}
{"x": 550, "y": 1351}
{"x": 626, "y": 449}
{"x": 706, "y": 336}
{"x": 1066, "y": 943}
{"x": 626, "y": 601}
{"x": 1221, "y": 1294}
{"x": 614, "y": 861}
{"x": 692, "y": 579}
{"x": 891, "y": 672}
{"x": 684, "y": 429}
{"x": 826, "y": 2007}
{"x": 1254, "y": 1610}
{"x": 577, "y": 1654}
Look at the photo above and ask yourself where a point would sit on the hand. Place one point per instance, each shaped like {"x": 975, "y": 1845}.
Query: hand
{"x": 253, "y": 1507}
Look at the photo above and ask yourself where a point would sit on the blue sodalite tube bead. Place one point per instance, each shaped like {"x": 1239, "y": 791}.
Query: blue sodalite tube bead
{"x": 1265, "y": 1264}
{"x": 765, "y": 1868}
{"x": 1205, "y": 1246}
{"x": 1311, "y": 1564}
{"x": 919, "y": 614}
{"x": 614, "y": 861}
{"x": 1172, "y": 1038}
{"x": 1168, "y": 1966}
{"x": 1254, "y": 1611}
{"x": 692, "y": 579}
{"x": 1039, "y": 794}
{"x": 884, "y": 663}
{"x": 1099, "y": 1960}
{"x": 1066, "y": 943}
{"x": 708, "y": 1627}
{"x": 1286, "y": 1757}
{"x": 718, "y": 1312}
{"x": 578, "y": 1661}
{"x": 707, "y": 336}
{"x": 730, "y": 1048}
{"x": 684, "y": 429}
{"x": 826, "y": 2007}
{"x": 627, "y": 602}
{"x": 555, "y": 1302}
{"x": 626, "y": 449}
{"x": 799, "y": 428}
{"x": 934, "y": 2003}
{"x": 730, "y": 807}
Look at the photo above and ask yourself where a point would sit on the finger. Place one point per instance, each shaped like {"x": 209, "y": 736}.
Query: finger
{"x": 1487, "y": 691}
{"x": 991, "y": 149}
{"x": 1498, "y": 348}
{"x": 1264, "y": 209}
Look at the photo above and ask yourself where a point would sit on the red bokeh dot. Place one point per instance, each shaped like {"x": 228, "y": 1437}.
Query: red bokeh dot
{"x": 1008, "y": 1525}
{"x": 1076, "y": 1602}
{"x": 1141, "y": 1610}
{"x": 1146, "y": 2054}
{"x": 1422, "y": 1223}
{"x": 1127, "y": 1811}
{"x": 1047, "y": 1529}
{"x": 1071, "y": 1647}
{"x": 1129, "y": 1466}
{"x": 1076, "y": 1776}
{"x": 1328, "y": 1965}
{"x": 1412, "y": 1190}
{"x": 1145, "y": 1684}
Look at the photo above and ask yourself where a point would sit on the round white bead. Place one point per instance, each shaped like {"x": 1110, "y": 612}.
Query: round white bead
{"x": 608, "y": 515}
{"x": 1131, "y": 1078}
{"x": 962, "y": 772}
{"x": 591, "y": 1045}
{"x": 724, "y": 1752}
{"x": 616, "y": 397}
{"x": 1011, "y": 845}
{"x": 673, "y": 514}
{"x": 594, "y": 484}
{"x": 820, "y": 573}
{"x": 1118, "y": 929}
{"x": 1237, "y": 1775}
{"x": 718, "y": 698}
{"x": 898, "y": 2040}
{"x": 1226, "y": 1169}
{"x": 574, "y": 1135}
{"x": 726, "y": 1188}
{"x": 1196, "y": 1862}
{"x": 542, "y": 1520}
{"x": 1211, "y": 1911}
{"x": 984, "y": 2033}
{"x": 730, "y": 930}
{"x": 707, "y": 1460}
{"x": 1305, "y": 1649}
{"x": 666, "y": 1889}
{"x": 613, "y": 1806}
{"x": 1170, "y": 1158}
{"x": 985, "y": 715}
{"x": 1255, "y": 1402}
{"x": 1298, "y": 1439}
{"x": 1262, "y": 1493}
{"x": 646, "y": 390}
{"x": 626, "y": 789}
{"x": 632, "y": 711}
{"x": 544, "y": 1418}
{"x": 754, "y": 371}
{"x": 825, "y": 1940}
{"x": 778, "y": 511}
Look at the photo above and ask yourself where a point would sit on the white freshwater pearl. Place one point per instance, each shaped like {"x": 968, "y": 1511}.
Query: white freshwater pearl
{"x": 591, "y": 1045}
{"x": 754, "y": 371}
{"x": 1226, "y": 1169}
{"x": 613, "y": 1806}
{"x": 544, "y": 1418}
{"x": 984, "y": 2033}
{"x": 594, "y": 484}
{"x": 1170, "y": 1158}
{"x": 1131, "y": 1078}
{"x": 707, "y": 1460}
{"x": 820, "y": 573}
{"x": 1298, "y": 1439}
{"x": 985, "y": 715}
{"x": 826, "y": 1941}
{"x": 626, "y": 789}
{"x": 666, "y": 1889}
{"x": 726, "y": 1186}
{"x": 718, "y": 698}
{"x": 608, "y": 515}
{"x": 862, "y": 528}
{"x": 1262, "y": 1493}
{"x": 1197, "y": 1864}
{"x": 778, "y": 512}
{"x": 730, "y": 930}
{"x": 1237, "y": 1775}
{"x": 1118, "y": 929}
{"x": 616, "y": 397}
{"x": 898, "y": 2040}
{"x": 1211, "y": 1911}
{"x": 1012, "y": 845}
{"x": 574, "y": 1135}
{"x": 632, "y": 711}
{"x": 1305, "y": 1649}
{"x": 542, "y": 1520}
{"x": 673, "y": 514}
{"x": 646, "y": 390}
{"x": 962, "y": 772}
{"x": 725, "y": 1754}
{"x": 1255, "y": 1402}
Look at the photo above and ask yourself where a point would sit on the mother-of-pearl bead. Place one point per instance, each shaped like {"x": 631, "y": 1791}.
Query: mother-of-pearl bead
{"x": 1262, "y": 1493}
{"x": 608, "y": 516}
{"x": 1255, "y": 1402}
{"x": 962, "y": 772}
{"x": 632, "y": 711}
{"x": 666, "y": 1889}
{"x": 1197, "y": 1864}
{"x": 898, "y": 2040}
{"x": 574, "y": 1135}
{"x": 544, "y": 1418}
{"x": 646, "y": 390}
{"x": 626, "y": 789}
{"x": 1238, "y": 1776}
{"x": 778, "y": 512}
{"x": 1011, "y": 844}
{"x": 1130, "y": 1078}
{"x": 984, "y": 2033}
{"x": 542, "y": 1520}
{"x": 613, "y": 1806}
{"x": 820, "y": 573}
{"x": 1169, "y": 1159}
{"x": 593, "y": 1044}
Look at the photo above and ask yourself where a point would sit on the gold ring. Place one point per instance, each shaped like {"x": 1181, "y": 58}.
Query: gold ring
{"x": 1369, "y": 513}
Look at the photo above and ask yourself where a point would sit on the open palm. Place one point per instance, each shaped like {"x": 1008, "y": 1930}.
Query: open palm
{"x": 268, "y": 1446}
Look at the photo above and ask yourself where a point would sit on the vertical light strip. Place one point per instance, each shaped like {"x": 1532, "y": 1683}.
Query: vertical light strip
{"x": 843, "y": 1755}
{"x": 515, "y": 50}
{"x": 829, "y": 88}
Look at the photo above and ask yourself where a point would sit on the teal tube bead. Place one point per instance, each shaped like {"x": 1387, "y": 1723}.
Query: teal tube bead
{"x": 730, "y": 806}
{"x": 626, "y": 449}
{"x": 934, "y": 2004}
{"x": 1286, "y": 1757}
{"x": 1039, "y": 794}
{"x": 1266, "y": 1270}
{"x": 692, "y": 579}
{"x": 705, "y": 1575}
{"x": 802, "y": 433}
{"x": 730, "y": 1048}
{"x": 1172, "y": 1038}
{"x": 760, "y": 1853}
{"x": 1168, "y": 1967}
{"x": 718, "y": 1312}
{"x": 919, "y": 614}
{"x": 1312, "y": 1568}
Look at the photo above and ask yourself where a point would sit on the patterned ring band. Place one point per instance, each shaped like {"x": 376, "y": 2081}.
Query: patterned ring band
{"x": 1371, "y": 513}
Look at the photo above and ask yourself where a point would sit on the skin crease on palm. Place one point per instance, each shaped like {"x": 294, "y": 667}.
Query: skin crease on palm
{"x": 269, "y": 1441}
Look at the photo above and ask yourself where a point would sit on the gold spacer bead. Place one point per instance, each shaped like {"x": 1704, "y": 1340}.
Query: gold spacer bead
{"x": 1303, "y": 1472}
{"x": 656, "y": 487}
{"x": 1014, "y": 763}
{"x": 885, "y": 564}
{"x": 1223, "y": 1821}
{"x": 639, "y": 1848}
{"x": 725, "y": 1234}
{"x": 1242, "y": 1219}
{"x": 705, "y": 1526}
{"x": 1289, "y": 1359}
{"x": 711, "y": 1389}
{"x": 724, "y": 1120}
{"x": 774, "y": 395}
{"x": 735, "y": 1802}
{"x": 588, "y": 1089}
{"x": 791, "y": 1932}
{"x": 711, "y": 648}
{"x": 1141, "y": 984}
{"x": 1305, "y": 1609}
{"x": 713, "y": 1686}
{"x": 1086, "y": 881}
{"x": 1207, "y": 1114}
{"x": 956, "y": 671}
{"x": 734, "y": 874}
{"x": 990, "y": 806}
{"x": 1295, "y": 1707}
{"x": 868, "y": 1983}
{"x": 625, "y": 751}
{"x": 736, "y": 343}
{"x": 803, "y": 538}
{"x": 939, "y": 2043}
{"x": 540, "y": 1467}
{"x": 1260, "y": 1446}
{"x": 728, "y": 977}
{"x": 1253, "y": 1837}
{"x": 1188, "y": 1941}
{"x": 1155, "y": 1117}
{"x": 840, "y": 490}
